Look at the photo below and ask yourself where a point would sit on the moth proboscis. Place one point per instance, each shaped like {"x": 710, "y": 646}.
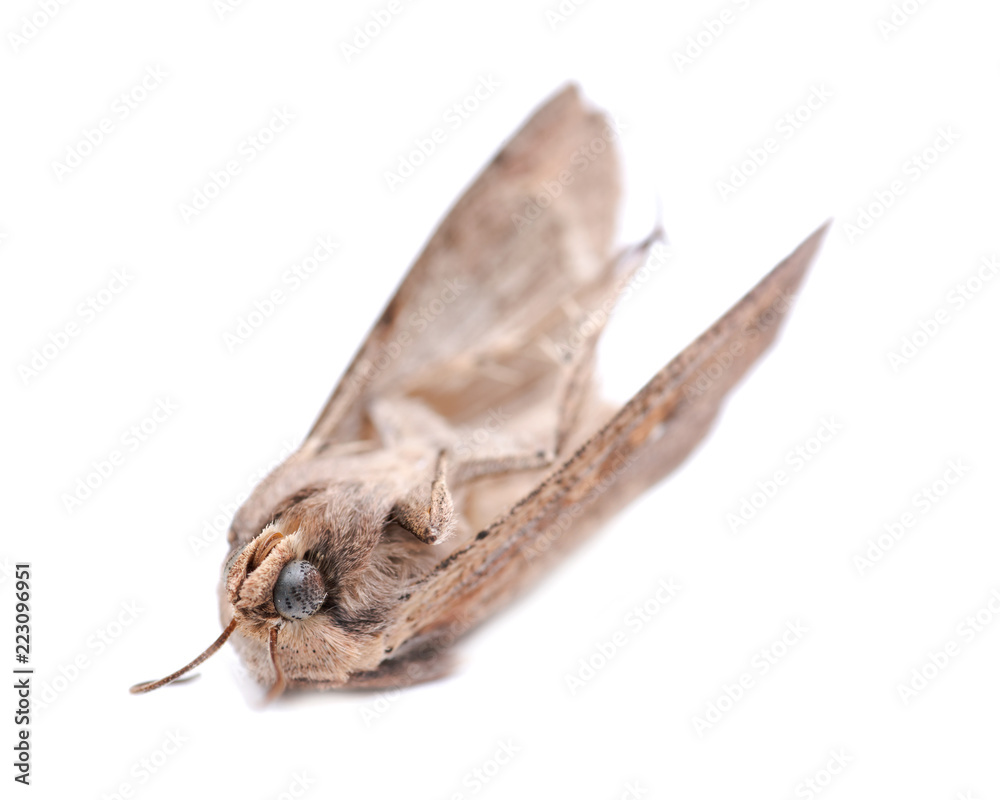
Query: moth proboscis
{"x": 396, "y": 526}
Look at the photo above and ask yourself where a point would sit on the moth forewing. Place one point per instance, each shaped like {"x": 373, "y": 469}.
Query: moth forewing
{"x": 645, "y": 440}
{"x": 424, "y": 495}
{"x": 494, "y": 275}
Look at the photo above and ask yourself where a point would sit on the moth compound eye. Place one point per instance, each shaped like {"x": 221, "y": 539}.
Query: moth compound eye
{"x": 299, "y": 590}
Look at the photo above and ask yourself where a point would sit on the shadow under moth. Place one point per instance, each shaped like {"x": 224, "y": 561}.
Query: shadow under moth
{"x": 396, "y": 526}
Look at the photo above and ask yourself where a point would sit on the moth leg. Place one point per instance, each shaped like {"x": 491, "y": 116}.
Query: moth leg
{"x": 399, "y": 420}
{"x": 429, "y": 514}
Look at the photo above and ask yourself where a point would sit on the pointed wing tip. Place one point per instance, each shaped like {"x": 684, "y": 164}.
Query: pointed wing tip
{"x": 820, "y": 233}
{"x": 793, "y": 268}
{"x": 565, "y": 102}
{"x": 569, "y": 100}
{"x": 569, "y": 89}
{"x": 814, "y": 239}
{"x": 785, "y": 278}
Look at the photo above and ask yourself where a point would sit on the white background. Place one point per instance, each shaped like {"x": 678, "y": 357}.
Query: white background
{"x": 632, "y": 727}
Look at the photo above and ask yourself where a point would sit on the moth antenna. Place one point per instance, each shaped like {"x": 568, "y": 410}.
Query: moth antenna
{"x": 625, "y": 258}
{"x": 659, "y": 217}
{"x": 279, "y": 676}
{"x": 148, "y": 686}
{"x": 659, "y": 233}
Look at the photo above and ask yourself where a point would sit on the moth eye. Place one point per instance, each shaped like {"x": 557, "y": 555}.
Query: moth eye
{"x": 299, "y": 590}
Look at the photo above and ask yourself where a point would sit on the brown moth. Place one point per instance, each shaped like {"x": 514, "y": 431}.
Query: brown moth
{"x": 395, "y": 527}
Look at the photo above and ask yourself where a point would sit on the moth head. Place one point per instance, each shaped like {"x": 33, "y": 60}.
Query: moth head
{"x": 320, "y": 579}
{"x": 268, "y": 581}
{"x": 266, "y": 584}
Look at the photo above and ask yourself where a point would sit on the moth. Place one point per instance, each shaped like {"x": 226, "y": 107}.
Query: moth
{"x": 466, "y": 447}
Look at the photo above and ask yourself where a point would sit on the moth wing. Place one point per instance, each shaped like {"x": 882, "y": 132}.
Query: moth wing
{"x": 496, "y": 265}
{"x": 646, "y": 439}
